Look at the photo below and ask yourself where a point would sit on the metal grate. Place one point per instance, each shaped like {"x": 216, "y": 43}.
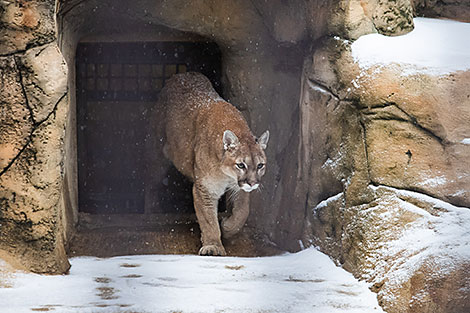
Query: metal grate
{"x": 117, "y": 88}
{"x": 138, "y": 71}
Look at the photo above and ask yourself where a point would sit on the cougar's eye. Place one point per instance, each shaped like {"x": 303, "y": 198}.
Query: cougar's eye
{"x": 241, "y": 166}
{"x": 260, "y": 166}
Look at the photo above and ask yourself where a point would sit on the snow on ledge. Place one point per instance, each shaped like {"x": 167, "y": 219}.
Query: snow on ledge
{"x": 434, "y": 47}
{"x": 443, "y": 239}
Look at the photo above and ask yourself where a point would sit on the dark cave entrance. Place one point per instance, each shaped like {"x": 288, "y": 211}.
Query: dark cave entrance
{"x": 121, "y": 167}
{"x": 121, "y": 196}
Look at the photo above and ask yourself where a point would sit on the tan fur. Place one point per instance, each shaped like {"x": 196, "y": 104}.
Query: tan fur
{"x": 206, "y": 137}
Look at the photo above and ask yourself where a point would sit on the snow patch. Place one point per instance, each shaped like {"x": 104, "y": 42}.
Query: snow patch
{"x": 466, "y": 141}
{"x": 307, "y": 281}
{"x": 326, "y": 202}
{"x": 434, "y": 182}
{"x": 435, "y": 47}
{"x": 441, "y": 239}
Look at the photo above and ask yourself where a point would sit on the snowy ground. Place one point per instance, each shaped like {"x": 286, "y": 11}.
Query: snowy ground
{"x": 435, "y": 47}
{"x": 307, "y": 281}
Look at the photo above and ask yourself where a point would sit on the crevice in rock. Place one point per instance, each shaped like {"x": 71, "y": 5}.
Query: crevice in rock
{"x": 380, "y": 106}
{"x": 9, "y": 54}
{"x": 417, "y": 190}
{"x": 23, "y": 51}
{"x": 324, "y": 88}
{"x": 354, "y": 105}
{"x": 52, "y": 111}
{"x": 30, "y": 136}
{"x": 364, "y": 142}
{"x": 23, "y": 90}
{"x": 40, "y": 51}
{"x": 414, "y": 121}
{"x": 411, "y": 119}
{"x": 6, "y": 168}
{"x": 371, "y": 117}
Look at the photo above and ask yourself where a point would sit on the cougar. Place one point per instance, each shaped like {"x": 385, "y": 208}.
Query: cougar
{"x": 209, "y": 141}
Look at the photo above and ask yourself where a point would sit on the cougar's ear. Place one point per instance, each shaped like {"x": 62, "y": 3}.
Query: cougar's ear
{"x": 263, "y": 140}
{"x": 230, "y": 140}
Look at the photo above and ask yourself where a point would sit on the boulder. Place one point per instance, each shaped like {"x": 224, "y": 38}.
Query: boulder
{"x": 412, "y": 248}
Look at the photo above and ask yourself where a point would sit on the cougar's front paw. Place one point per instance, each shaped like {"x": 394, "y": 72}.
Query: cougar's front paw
{"x": 216, "y": 250}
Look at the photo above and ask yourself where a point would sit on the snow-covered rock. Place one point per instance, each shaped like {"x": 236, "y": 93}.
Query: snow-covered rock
{"x": 393, "y": 111}
{"x": 412, "y": 107}
{"x": 435, "y": 47}
{"x": 413, "y": 248}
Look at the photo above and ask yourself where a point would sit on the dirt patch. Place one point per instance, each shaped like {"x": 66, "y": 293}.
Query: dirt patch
{"x": 124, "y": 305}
{"x": 107, "y": 293}
{"x": 128, "y": 265}
{"x": 234, "y": 267}
{"x": 131, "y": 276}
{"x": 103, "y": 280}
{"x": 299, "y": 280}
{"x": 348, "y": 293}
{"x": 102, "y": 305}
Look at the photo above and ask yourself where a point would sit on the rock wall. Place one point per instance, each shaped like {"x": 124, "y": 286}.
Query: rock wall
{"x": 33, "y": 108}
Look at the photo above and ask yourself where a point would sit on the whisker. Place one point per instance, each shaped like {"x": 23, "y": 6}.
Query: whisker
{"x": 232, "y": 192}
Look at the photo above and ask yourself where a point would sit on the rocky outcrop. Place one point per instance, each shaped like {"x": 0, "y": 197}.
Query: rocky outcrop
{"x": 383, "y": 145}
{"x": 414, "y": 125}
{"x": 34, "y": 105}
{"x": 413, "y": 249}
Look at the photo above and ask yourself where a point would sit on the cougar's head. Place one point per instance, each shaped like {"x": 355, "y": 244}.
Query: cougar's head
{"x": 245, "y": 161}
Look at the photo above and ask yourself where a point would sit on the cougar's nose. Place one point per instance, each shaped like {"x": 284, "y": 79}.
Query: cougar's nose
{"x": 251, "y": 182}
{"x": 249, "y": 185}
